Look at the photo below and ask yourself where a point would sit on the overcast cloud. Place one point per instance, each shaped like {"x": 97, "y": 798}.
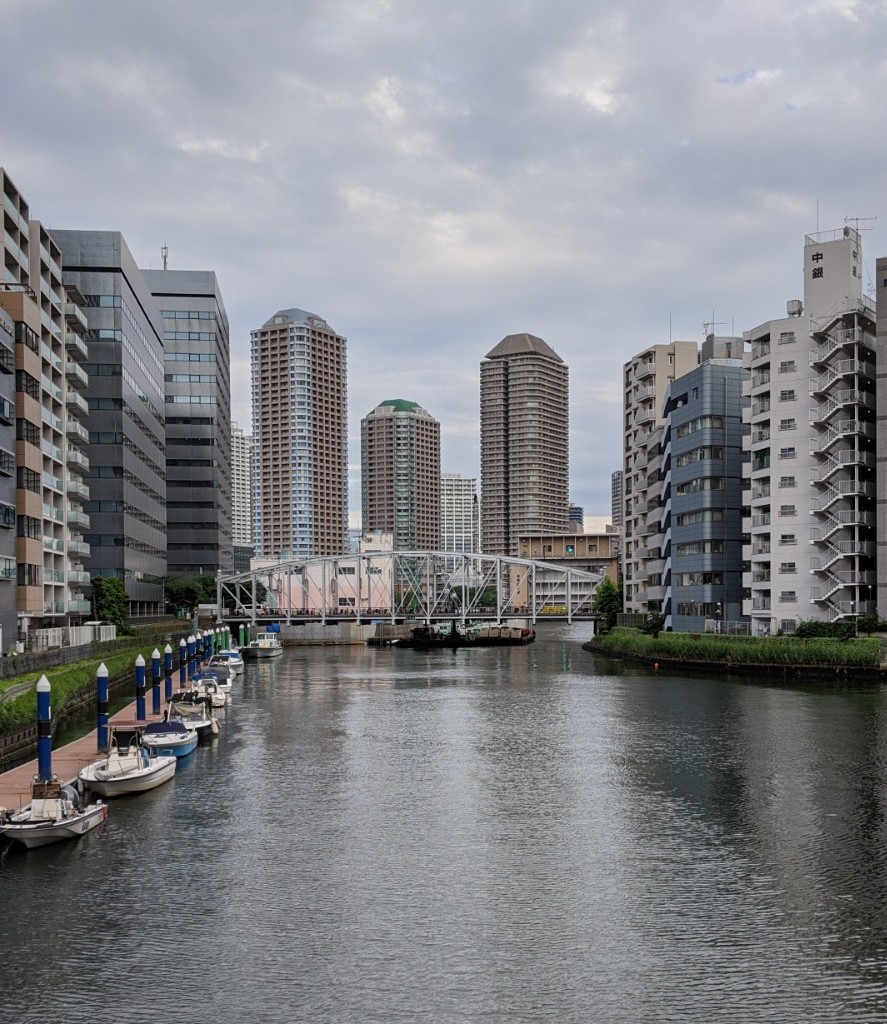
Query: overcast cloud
{"x": 430, "y": 176}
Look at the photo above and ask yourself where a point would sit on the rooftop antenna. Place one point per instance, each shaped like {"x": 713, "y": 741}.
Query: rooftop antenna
{"x": 855, "y": 221}
{"x": 164, "y": 252}
{"x": 709, "y": 325}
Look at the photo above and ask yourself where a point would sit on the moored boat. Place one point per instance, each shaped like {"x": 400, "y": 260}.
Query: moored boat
{"x": 266, "y": 645}
{"x": 55, "y": 813}
{"x": 229, "y": 657}
{"x": 195, "y": 712}
{"x": 477, "y": 634}
{"x": 129, "y": 766}
{"x": 169, "y": 737}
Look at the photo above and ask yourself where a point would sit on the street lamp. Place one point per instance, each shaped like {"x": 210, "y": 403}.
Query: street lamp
{"x": 719, "y": 611}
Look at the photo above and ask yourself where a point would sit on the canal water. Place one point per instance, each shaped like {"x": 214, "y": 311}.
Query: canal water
{"x": 528, "y": 834}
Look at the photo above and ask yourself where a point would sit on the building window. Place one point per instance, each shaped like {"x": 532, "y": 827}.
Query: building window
{"x": 787, "y": 568}
{"x": 788, "y": 510}
{"x": 787, "y": 453}
{"x": 788, "y": 366}
{"x": 787, "y": 481}
{"x": 787, "y": 396}
{"x": 790, "y": 424}
{"x": 787, "y": 338}
{"x": 7, "y": 515}
{"x": 787, "y": 539}
{"x": 788, "y": 596}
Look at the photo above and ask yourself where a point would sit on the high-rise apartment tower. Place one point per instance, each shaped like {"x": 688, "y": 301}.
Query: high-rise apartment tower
{"x": 524, "y": 443}
{"x": 300, "y": 437}
{"x": 400, "y": 474}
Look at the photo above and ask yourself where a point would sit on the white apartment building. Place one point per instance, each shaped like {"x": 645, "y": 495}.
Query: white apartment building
{"x": 241, "y": 486}
{"x": 646, "y": 377}
{"x": 810, "y": 484}
{"x": 459, "y": 518}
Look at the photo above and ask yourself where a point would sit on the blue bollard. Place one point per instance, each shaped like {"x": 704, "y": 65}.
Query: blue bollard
{"x": 44, "y": 731}
{"x": 101, "y": 708}
{"x": 192, "y": 647}
{"x": 183, "y": 662}
{"x": 155, "y": 682}
{"x": 167, "y": 673}
{"x": 140, "y": 689}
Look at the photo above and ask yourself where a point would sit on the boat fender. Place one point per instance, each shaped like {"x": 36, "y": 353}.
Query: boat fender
{"x": 215, "y": 727}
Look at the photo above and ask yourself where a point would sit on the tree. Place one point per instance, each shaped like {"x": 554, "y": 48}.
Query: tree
{"x": 607, "y": 603}
{"x": 109, "y": 601}
{"x": 189, "y": 591}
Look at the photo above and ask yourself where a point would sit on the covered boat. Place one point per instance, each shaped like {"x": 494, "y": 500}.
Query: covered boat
{"x": 54, "y": 813}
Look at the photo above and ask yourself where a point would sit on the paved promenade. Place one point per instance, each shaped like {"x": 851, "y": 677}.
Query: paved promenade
{"x": 15, "y": 785}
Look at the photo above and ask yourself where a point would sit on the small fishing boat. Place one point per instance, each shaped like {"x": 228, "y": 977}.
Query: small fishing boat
{"x": 265, "y": 645}
{"x": 230, "y": 657}
{"x": 223, "y": 675}
{"x": 169, "y": 737}
{"x": 194, "y": 711}
{"x": 54, "y": 814}
{"x": 129, "y": 767}
{"x": 206, "y": 684}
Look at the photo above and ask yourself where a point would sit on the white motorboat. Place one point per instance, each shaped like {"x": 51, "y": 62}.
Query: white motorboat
{"x": 194, "y": 711}
{"x": 206, "y": 684}
{"x": 54, "y": 814}
{"x": 169, "y": 737}
{"x": 265, "y": 645}
{"x": 223, "y": 673}
{"x": 230, "y": 657}
{"x": 129, "y": 767}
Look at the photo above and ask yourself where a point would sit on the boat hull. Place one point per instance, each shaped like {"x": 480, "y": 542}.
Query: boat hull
{"x": 260, "y": 653}
{"x": 168, "y": 746}
{"x": 37, "y": 833}
{"x": 137, "y": 780}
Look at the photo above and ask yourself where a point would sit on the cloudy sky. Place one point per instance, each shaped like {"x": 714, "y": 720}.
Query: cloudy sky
{"x": 430, "y": 176}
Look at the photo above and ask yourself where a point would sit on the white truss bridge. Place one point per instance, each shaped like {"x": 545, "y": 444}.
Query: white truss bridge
{"x": 408, "y": 585}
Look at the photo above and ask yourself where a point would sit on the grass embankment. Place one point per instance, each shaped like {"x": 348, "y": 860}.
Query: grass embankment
{"x": 67, "y": 681}
{"x": 709, "y": 648}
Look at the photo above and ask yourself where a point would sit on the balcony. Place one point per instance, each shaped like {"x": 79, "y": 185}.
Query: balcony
{"x": 78, "y": 520}
{"x": 78, "y": 488}
{"x": 79, "y": 607}
{"x": 77, "y": 460}
{"x": 78, "y": 547}
{"x": 75, "y": 430}
{"x": 78, "y": 576}
{"x": 75, "y": 374}
{"x": 646, "y": 369}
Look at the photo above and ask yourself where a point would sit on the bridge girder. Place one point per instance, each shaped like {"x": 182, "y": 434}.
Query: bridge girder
{"x": 418, "y": 584}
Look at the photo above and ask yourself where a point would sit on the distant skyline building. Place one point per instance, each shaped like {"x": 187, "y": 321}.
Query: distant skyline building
{"x": 616, "y": 485}
{"x": 197, "y": 384}
{"x": 241, "y": 497}
{"x": 459, "y": 514}
{"x": 300, "y": 437}
{"x": 400, "y": 474}
{"x": 524, "y": 443}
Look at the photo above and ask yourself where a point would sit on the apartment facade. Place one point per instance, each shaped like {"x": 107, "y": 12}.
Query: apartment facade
{"x": 41, "y": 434}
{"x": 241, "y": 497}
{"x": 300, "y": 437}
{"x": 197, "y": 386}
{"x": 126, "y": 474}
{"x": 524, "y": 443}
{"x": 694, "y": 561}
{"x": 400, "y": 474}
{"x": 459, "y": 514}
{"x": 646, "y": 378}
{"x": 811, "y": 486}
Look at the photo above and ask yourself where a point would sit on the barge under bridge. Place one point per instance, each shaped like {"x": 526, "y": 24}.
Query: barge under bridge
{"x": 400, "y": 586}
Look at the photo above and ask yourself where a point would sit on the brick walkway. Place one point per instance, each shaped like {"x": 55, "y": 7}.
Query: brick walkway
{"x": 15, "y": 785}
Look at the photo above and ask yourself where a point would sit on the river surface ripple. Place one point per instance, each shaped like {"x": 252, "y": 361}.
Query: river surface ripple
{"x": 516, "y": 835}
